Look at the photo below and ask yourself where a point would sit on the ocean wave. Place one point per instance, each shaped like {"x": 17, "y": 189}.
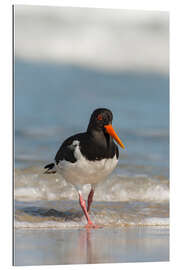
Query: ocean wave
{"x": 31, "y": 184}
{"x": 134, "y": 40}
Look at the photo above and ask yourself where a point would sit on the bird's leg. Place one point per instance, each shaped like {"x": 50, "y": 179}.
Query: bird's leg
{"x": 83, "y": 206}
{"x": 90, "y": 199}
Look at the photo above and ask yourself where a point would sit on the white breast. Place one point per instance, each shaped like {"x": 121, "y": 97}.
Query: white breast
{"x": 84, "y": 171}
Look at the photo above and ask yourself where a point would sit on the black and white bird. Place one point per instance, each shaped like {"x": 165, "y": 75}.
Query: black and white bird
{"x": 89, "y": 157}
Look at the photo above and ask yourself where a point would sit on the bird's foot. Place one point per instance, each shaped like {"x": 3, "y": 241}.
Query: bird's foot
{"x": 91, "y": 225}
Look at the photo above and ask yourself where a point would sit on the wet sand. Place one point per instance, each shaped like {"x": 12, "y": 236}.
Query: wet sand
{"x": 82, "y": 246}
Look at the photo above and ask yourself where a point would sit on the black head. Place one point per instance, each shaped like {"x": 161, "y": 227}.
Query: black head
{"x": 100, "y": 118}
{"x": 101, "y": 122}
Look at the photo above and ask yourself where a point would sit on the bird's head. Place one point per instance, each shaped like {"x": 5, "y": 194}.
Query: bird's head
{"x": 101, "y": 120}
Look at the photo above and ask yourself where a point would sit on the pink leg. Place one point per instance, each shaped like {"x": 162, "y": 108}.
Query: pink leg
{"x": 90, "y": 199}
{"x": 83, "y": 206}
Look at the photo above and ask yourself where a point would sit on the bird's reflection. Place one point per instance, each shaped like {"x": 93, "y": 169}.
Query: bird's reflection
{"x": 85, "y": 240}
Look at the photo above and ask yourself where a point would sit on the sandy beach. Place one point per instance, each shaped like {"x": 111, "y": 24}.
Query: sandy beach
{"x": 81, "y": 246}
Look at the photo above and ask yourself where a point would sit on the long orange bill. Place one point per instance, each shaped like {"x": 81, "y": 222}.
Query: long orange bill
{"x": 113, "y": 134}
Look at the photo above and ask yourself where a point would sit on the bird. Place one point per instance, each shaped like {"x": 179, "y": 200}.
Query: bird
{"x": 88, "y": 157}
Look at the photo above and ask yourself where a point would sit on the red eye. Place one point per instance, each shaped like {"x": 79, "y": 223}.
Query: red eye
{"x": 99, "y": 117}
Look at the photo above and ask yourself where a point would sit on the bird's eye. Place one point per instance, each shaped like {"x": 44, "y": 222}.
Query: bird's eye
{"x": 99, "y": 117}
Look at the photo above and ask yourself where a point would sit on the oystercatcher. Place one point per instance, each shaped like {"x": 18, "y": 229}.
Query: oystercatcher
{"x": 89, "y": 157}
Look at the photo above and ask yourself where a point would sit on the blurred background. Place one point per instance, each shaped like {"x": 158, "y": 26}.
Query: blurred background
{"x": 70, "y": 61}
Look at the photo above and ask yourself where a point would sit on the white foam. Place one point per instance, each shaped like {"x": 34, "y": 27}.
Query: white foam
{"x": 155, "y": 221}
{"x": 46, "y": 225}
{"x": 31, "y": 184}
{"x": 137, "y": 188}
{"x": 106, "y": 221}
{"x": 27, "y": 193}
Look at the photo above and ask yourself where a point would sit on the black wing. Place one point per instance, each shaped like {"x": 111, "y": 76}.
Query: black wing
{"x": 66, "y": 151}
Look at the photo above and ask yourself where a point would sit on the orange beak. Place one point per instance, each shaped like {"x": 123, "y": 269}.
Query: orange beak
{"x": 113, "y": 134}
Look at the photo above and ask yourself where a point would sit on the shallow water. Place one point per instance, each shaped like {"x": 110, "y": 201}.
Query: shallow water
{"x": 72, "y": 246}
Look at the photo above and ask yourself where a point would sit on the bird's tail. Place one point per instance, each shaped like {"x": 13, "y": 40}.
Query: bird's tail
{"x": 50, "y": 168}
